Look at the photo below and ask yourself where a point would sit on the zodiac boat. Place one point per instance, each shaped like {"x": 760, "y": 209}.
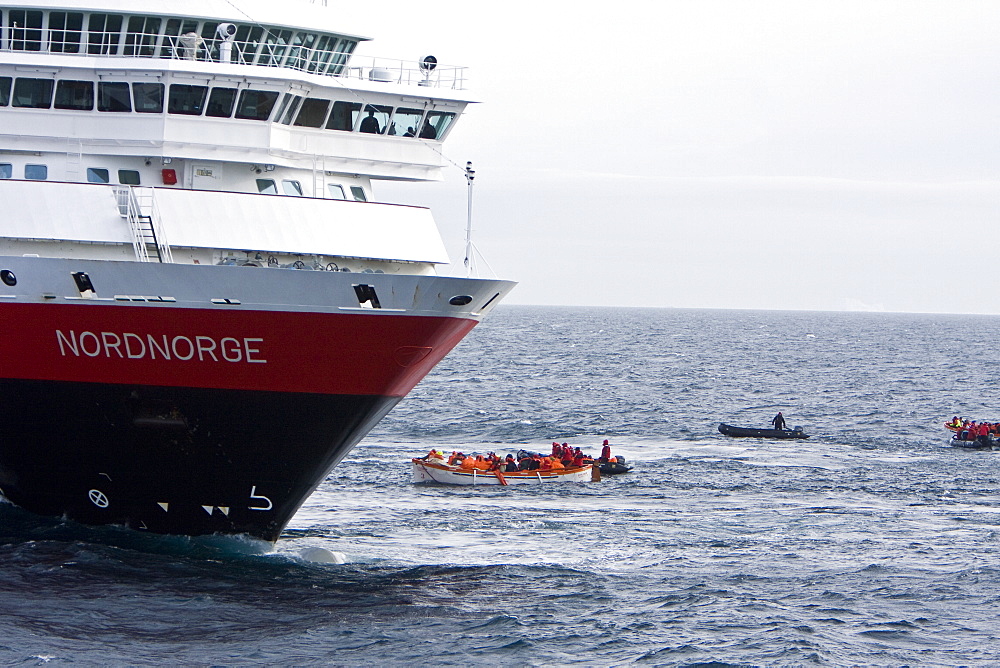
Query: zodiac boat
{"x": 730, "y": 430}
{"x": 205, "y": 305}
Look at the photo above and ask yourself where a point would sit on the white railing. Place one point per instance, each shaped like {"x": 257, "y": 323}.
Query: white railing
{"x": 336, "y": 61}
{"x": 405, "y": 72}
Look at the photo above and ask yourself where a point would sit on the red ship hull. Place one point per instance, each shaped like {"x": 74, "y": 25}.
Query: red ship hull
{"x": 194, "y": 421}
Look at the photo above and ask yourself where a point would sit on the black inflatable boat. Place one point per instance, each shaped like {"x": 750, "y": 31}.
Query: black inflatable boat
{"x": 730, "y": 430}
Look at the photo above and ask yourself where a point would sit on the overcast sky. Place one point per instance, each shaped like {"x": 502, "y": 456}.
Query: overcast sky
{"x": 758, "y": 154}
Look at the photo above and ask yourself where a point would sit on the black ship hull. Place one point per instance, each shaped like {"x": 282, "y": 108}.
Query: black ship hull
{"x": 173, "y": 460}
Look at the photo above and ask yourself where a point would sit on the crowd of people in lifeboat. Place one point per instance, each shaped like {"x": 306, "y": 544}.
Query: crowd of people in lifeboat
{"x": 563, "y": 456}
{"x": 970, "y": 430}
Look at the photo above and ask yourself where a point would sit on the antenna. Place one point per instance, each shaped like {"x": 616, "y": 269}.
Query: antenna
{"x": 470, "y": 175}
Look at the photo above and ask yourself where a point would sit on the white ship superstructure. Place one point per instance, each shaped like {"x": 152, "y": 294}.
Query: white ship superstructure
{"x": 211, "y": 305}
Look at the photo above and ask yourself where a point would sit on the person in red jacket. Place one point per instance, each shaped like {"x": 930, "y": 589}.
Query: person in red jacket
{"x": 605, "y": 452}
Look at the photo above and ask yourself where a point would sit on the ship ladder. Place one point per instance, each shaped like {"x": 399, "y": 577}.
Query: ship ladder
{"x": 138, "y": 206}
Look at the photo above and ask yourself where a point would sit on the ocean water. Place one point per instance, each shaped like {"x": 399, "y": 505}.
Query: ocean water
{"x": 871, "y": 543}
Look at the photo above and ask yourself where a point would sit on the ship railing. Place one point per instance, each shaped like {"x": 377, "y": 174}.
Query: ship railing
{"x": 334, "y": 61}
{"x": 405, "y": 72}
{"x": 138, "y": 206}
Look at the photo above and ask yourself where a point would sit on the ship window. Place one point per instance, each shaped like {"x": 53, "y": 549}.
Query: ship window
{"x": 344, "y": 52}
{"x": 313, "y": 113}
{"x": 293, "y": 188}
{"x": 171, "y": 47}
{"x": 148, "y": 97}
{"x": 359, "y": 194}
{"x": 436, "y": 124}
{"x": 140, "y": 40}
{"x": 256, "y": 105}
{"x": 375, "y": 119}
{"x": 322, "y": 53}
{"x": 105, "y": 32}
{"x": 288, "y": 108}
{"x": 220, "y": 102}
{"x": 5, "y": 91}
{"x": 128, "y": 177}
{"x": 65, "y": 31}
{"x": 78, "y": 95}
{"x": 185, "y": 99}
{"x": 33, "y": 93}
{"x": 275, "y": 43}
{"x": 344, "y": 116}
{"x": 246, "y": 43}
{"x": 208, "y": 36}
{"x": 95, "y": 175}
{"x": 336, "y": 191}
{"x": 297, "y": 55}
{"x": 405, "y": 122}
{"x": 36, "y": 172}
{"x": 113, "y": 96}
{"x": 266, "y": 187}
{"x": 6, "y": 170}
{"x": 25, "y": 30}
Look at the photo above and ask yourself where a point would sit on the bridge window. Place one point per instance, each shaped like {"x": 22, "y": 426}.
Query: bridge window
{"x": 321, "y": 56}
{"x": 344, "y": 52}
{"x": 148, "y": 97}
{"x": 25, "y": 30}
{"x": 6, "y": 170}
{"x": 275, "y": 43}
{"x": 95, "y": 175}
{"x": 359, "y": 194}
{"x": 171, "y": 46}
{"x": 78, "y": 95}
{"x": 208, "y": 39}
{"x": 105, "y": 33}
{"x": 313, "y": 113}
{"x": 405, "y": 122}
{"x": 36, "y": 172}
{"x": 375, "y": 119}
{"x": 266, "y": 187}
{"x": 65, "y": 32}
{"x": 247, "y": 43}
{"x": 140, "y": 39}
{"x": 33, "y": 93}
{"x": 113, "y": 96}
{"x": 344, "y": 116}
{"x": 220, "y": 102}
{"x": 437, "y": 124}
{"x": 293, "y": 188}
{"x": 256, "y": 105}
{"x": 5, "y": 91}
{"x": 297, "y": 54}
{"x": 185, "y": 99}
{"x": 128, "y": 177}
{"x": 289, "y": 106}
{"x": 336, "y": 191}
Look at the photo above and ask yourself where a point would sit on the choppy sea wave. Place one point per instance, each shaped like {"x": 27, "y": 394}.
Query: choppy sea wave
{"x": 871, "y": 543}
